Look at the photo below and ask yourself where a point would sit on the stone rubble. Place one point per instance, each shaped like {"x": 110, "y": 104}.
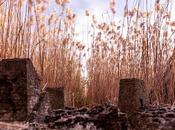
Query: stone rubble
{"x": 102, "y": 117}
{"x": 154, "y": 118}
{"x": 108, "y": 117}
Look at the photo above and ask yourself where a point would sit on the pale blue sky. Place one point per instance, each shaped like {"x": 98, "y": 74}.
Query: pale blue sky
{"x": 98, "y": 7}
{"x": 102, "y": 5}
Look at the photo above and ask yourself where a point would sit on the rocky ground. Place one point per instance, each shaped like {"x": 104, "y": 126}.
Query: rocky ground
{"x": 100, "y": 117}
{"x": 154, "y": 118}
{"x": 104, "y": 117}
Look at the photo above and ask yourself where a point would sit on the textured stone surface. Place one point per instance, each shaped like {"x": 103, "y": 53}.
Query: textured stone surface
{"x": 41, "y": 109}
{"x": 56, "y": 96}
{"x": 132, "y": 95}
{"x": 154, "y": 118}
{"x": 101, "y": 117}
{"x": 19, "y": 89}
{"x": 107, "y": 117}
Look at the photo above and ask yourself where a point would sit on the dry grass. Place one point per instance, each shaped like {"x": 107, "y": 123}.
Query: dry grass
{"x": 139, "y": 46}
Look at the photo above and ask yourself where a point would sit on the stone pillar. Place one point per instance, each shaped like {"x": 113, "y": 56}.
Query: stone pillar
{"x": 56, "y": 97}
{"x": 19, "y": 89}
{"x": 132, "y": 95}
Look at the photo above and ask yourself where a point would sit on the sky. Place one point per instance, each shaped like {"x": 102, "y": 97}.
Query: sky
{"x": 97, "y": 7}
{"x": 102, "y": 6}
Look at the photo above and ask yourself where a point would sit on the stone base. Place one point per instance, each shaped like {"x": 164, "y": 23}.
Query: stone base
{"x": 56, "y": 96}
{"x": 19, "y": 89}
{"x": 132, "y": 95}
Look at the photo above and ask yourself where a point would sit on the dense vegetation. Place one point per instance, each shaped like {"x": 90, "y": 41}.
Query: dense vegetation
{"x": 139, "y": 45}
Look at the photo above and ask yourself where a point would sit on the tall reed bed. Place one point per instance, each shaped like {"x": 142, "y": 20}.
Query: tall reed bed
{"x": 137, "y": 47}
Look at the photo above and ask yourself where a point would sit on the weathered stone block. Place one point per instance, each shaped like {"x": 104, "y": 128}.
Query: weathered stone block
{"x": 19, "y": 89}
{"x": 41, "y": 109}
{"x": 132, "y": 95}
{"x": 56, "y": 97}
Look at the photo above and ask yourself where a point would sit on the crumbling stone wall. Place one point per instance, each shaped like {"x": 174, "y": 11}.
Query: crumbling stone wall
{"x": 132, "y": 95}
{"x": 56, "y": 96}
{"x": 19, "y": 89}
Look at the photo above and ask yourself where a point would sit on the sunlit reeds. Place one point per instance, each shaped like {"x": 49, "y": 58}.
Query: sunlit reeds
{"x": 139, "y": 46}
